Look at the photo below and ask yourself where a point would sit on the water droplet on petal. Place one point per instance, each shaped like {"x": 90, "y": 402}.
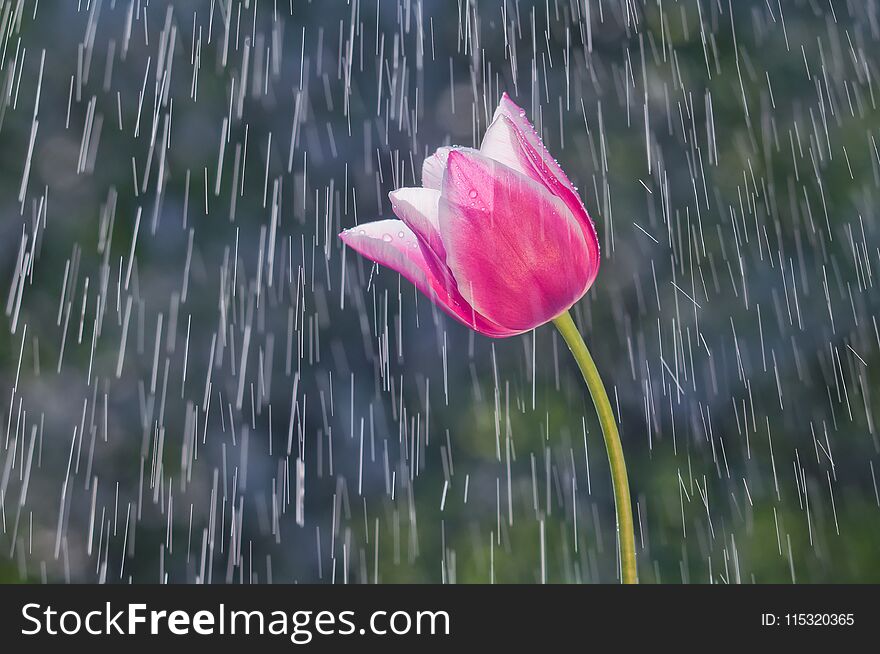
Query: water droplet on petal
{"x": 386, "y": 238}
{"x": 473, "y": 193}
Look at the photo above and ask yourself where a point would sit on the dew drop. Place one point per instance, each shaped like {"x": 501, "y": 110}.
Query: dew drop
{"x": 386, "y": 238}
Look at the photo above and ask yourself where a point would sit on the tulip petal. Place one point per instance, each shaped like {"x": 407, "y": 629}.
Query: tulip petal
{"x": 394, "y": 245}
{"x": 512, "y": 140}
{"x": 542, "y": 163}
{"x": 433, "y": 168}
{"x": 517, "y": 253}
{"x": 418, "y": 208}
{"x": 502, "y": 142}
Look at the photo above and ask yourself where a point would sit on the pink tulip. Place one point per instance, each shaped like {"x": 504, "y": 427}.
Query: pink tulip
{"x": 498, "y": 237}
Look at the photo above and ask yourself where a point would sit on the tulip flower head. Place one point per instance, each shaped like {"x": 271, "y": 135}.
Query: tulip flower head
{"x": 497, "y": 237}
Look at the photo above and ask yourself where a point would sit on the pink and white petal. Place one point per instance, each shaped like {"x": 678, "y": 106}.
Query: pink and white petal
{"x": 392, "y": 244}
{"x": 517, "y": 253}
{"x": 433, "y": 168}
{"x": 418, "y": 208}
{"x": 501, "y": 142}
{"x": 511, "y": 136}
{"x": 543, "y": 164}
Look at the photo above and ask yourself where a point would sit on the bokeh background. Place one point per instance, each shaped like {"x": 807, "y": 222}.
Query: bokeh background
{"x": 200, "y": 385}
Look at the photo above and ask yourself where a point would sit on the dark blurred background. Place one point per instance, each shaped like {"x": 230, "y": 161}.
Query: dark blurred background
{"x": 201, "y": 386}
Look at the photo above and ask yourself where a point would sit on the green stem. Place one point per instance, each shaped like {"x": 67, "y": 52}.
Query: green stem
{"x": 625, "y": 533}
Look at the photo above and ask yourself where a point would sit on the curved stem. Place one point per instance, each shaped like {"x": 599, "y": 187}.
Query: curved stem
{"x": 625, "y": 533}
